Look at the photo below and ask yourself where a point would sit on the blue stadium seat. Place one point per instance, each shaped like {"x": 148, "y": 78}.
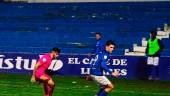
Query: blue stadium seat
{"x": 35, "y": 28}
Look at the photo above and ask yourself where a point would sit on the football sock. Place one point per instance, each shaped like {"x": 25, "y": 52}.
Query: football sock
{"x": 103, "y": 93}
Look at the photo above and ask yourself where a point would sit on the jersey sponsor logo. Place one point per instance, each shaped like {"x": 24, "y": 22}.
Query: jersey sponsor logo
{"x": 44, "y": 59}
{"x": 105, "y": 56}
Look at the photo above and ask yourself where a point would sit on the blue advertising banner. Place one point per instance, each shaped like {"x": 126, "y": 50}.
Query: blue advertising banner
{"x": 130, "y": 67}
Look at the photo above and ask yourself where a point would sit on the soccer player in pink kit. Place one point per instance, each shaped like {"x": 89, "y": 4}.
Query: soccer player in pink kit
{"x": 39, "y": 74}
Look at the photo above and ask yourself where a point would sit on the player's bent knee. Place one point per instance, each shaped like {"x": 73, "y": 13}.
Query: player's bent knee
{"x": 51, "y": 82}
{"x": 111, "y": 86}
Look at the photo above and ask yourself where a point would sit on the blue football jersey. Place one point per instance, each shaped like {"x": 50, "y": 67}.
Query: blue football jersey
{"x": 99, "y": 64}
{"x": 99, "y": 47}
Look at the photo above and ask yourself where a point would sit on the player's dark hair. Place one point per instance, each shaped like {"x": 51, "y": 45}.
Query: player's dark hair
{"x": 98, "y": 33}
{"x": 110, "y": 42}
{"x": 153, "y": 32}
{"x": 55, "y": 49}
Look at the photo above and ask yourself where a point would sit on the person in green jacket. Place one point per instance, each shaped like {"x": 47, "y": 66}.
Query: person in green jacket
{"x": 153, "y": 49}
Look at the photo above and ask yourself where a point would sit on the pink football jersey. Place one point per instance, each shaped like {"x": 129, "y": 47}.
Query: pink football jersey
{"x": 44, "y": 62}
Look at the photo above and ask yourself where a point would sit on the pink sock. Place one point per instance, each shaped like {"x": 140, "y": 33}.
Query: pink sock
{"x": 49, "y": 90}
{"x": 46, "y": 89}
{"x": 52, "y": 89}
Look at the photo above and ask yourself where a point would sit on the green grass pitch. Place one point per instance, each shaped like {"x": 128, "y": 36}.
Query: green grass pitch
{"x": 20, "y": 85}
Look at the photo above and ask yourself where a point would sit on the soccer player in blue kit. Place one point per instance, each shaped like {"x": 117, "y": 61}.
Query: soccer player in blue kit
{"x": 99, "y": 65}
{"x": 99, "y": 44}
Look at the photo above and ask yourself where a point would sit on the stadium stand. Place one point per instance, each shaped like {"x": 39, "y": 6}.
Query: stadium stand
{"x": 36, "y": 27}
